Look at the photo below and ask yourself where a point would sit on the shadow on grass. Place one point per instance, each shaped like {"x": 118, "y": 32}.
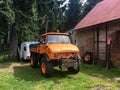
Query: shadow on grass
{"x": 25, "y": 72}
{"x": 29, "y": 74}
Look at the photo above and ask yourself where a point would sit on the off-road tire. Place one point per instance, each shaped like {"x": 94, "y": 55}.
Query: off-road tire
{"x": 88, "y": 58}
{"x": 74, "y": 71}
{"x": 46, "y": 67}
{"x": 33, "y": 61}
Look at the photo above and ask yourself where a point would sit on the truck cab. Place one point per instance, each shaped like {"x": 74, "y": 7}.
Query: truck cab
{"x": 55, "y": 49}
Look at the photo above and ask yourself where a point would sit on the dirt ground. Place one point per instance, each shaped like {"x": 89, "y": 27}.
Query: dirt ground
{"x": 101, "y": 88}
{"x": 10, "y": 67}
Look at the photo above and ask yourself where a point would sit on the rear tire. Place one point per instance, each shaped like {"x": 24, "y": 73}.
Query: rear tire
{"x": 88, "y": 58}
{"x": 46, "y": 67}
{"x": 33, "y": 61}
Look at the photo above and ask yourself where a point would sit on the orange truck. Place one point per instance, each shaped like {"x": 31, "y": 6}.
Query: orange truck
{"x": 55, "y": 49}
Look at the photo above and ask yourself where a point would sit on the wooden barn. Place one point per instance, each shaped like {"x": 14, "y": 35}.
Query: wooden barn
{"x": 98, "y": 34}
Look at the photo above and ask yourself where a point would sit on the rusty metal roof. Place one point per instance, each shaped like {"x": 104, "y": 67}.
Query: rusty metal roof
{"x": 104, "y": 11}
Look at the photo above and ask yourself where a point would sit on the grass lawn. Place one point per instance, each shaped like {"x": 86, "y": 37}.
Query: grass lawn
{"x": 20, "y": 76}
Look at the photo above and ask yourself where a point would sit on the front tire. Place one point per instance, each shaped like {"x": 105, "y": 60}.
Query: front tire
{"x": 46, "y": 67}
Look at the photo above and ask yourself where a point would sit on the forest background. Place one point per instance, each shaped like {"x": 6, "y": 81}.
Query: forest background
{"x": 25, "y": 20}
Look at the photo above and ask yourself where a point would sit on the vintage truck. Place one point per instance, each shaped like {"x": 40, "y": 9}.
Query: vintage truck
{"x": 55, "y": 49}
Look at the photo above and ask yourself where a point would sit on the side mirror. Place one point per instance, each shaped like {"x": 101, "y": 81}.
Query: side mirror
{"x": 42, "y": 42}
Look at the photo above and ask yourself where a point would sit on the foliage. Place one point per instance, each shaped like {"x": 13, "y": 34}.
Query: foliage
{"x": 6, "y": 16}
{"x": 89, "y": 4}
{"x": 73, "y": 14}
{"x": 26, "y": 19}
{"x": 50, "y": 10}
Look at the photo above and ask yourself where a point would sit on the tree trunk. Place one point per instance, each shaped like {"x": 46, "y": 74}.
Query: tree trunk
{"x": 13, "y": 44}
{"x": 0, "y": 47}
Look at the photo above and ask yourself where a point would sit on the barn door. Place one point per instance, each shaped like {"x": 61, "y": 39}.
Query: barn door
{"x": 116, "y": 49}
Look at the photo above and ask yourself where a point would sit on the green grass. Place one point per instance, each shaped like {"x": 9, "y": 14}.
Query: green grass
{"x": 23, "y": 77}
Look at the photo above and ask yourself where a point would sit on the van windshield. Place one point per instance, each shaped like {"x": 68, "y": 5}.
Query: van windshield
{"x": 58, "y": 39}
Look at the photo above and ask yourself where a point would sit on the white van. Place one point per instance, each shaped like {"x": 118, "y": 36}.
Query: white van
{"x": 25, "y": 50}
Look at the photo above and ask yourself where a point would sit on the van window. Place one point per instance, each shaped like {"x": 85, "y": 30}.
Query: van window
{"x": 24, "y": 48}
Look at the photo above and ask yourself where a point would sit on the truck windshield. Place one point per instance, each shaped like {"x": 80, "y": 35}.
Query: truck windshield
{"x": 58, "y": 39}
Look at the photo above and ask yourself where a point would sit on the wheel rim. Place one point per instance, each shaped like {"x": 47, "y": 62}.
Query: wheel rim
{"x": 87, "y": 57}
{"x": 43, "y": 67}
{"x": 31, "y": 61}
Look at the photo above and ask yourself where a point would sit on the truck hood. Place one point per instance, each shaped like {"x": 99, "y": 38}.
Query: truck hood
{"x": 63, "y": 48}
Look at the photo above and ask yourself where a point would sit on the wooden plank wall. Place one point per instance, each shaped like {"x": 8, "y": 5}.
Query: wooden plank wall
{"x": 100, "y": 45}
{"x": 86, "y": 42}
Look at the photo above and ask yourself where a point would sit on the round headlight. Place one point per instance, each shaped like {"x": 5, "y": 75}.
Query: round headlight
{"x": 55, "y": 55}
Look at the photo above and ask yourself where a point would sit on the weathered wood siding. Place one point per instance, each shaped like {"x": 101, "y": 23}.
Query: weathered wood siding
{"x": 84, "y": 40}
{"x": 101, "y": 44}
{"x": 115, "y": 51}
{"x": 87, "y": 41}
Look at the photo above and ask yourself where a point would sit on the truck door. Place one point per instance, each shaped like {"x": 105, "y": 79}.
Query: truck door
{"x": 42, "y": 45}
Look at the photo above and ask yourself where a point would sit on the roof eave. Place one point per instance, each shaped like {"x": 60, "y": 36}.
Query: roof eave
{"x": 98, "y": 25}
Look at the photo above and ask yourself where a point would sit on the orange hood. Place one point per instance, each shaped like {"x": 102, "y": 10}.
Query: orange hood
{"x": 63, "y": 48}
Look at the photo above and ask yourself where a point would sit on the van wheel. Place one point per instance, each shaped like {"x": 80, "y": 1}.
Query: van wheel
{"x": 74, "y": 71}
{"x": 88, "y": 58}
{"x": 46, "y": 67}
{"x": 33, "y": 61}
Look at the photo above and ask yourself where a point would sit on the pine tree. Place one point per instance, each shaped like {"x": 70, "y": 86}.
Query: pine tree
{"x": 89, "y": 4}
{"x": 25, "y": 26}
{"x": 7, "y": 17}
{"x": 72, "y": 14}
{"x": 51, "y": 10}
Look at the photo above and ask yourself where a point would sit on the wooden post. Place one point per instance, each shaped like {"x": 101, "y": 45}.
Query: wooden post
{"x": 93, "y": 47}
{"x": 108, "y": 57}
{"x": 97, "y": 44}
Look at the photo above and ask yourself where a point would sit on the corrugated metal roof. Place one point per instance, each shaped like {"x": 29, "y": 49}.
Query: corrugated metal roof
{"x": 104, "y": 11}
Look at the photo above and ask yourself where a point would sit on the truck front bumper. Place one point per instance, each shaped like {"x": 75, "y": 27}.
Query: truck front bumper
{"x": 66, "y": 63}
